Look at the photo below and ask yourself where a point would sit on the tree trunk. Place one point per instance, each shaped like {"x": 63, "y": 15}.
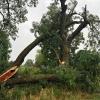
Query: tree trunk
{"x": 31, "y": 80}
{"x": 19, "y": 60}
{"x": 65, "y": 40}
{"x": 66, "y": 53}
{"x": 64, "y": 50}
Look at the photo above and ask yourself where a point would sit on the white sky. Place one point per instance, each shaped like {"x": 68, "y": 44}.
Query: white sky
{"x": 35, "y": 14}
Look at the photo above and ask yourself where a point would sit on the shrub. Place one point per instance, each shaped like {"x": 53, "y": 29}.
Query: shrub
{"x": 29, "y": 63}
{"x": 28, "y": 71}
{"x": 66, "y": 75}
{"x": 87, "y": 63}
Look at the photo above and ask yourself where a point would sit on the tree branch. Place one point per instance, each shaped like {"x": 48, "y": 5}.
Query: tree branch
{"x": 19, "y": 60}
{"x": 8, "y": 9}
{"x": 77, "y": 31}
{"x": 31, "y": 80}
{"x": 72, "y": 23}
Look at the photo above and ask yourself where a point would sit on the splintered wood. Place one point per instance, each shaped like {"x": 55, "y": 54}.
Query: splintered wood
{"x": 8, "y": 74}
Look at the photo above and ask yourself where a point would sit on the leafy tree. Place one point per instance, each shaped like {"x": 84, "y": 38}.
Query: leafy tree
{"x": 86, "y": 58}
{"x": 87, "y": 63}
{"x": 13, "y": 12}
{"x": 49, "y": 25}
{"x": 4, "y": 50}
{"x": 68, "y": 18}
{"x": 64, "y": 33}
{"x": 60, "y": 24}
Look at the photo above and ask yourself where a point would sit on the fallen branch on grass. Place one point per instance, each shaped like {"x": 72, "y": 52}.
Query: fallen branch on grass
{"x": 31, "y": 80}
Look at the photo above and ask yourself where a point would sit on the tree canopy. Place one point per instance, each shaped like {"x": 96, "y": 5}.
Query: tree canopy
{"x": 62, "y": 24}
{"x": 13, "y": 12}
{"x": 4, "y": 50}
{"x": 59, "y": 34}
{"x": 66, "y": 28}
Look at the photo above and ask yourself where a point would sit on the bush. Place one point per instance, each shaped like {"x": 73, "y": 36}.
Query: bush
{"x": 29, "y": 63}
{"x": 66, "y": 75}
{"x": 28, "y": 71}
{"x": 87, "y": 63}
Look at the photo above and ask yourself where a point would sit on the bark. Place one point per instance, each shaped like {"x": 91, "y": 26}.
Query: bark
{"x": 67, "y": 40}
{"x": 19, "y": 60}
{"x": 31, "y": 80}
{"x": 77, "y": 31}
{"x": 63, "y": 45}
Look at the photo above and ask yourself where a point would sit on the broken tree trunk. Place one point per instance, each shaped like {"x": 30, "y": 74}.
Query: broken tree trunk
{"x": 19, "y": 60}
{"x": 65, "y": 43}
{"x": 32, "y": 79}
{"x": 64, "y": 52}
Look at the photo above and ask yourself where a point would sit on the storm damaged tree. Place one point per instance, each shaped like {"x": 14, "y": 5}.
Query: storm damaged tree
{"x": 67, "y": 31}
{"x": 68, "y": 19}
{"x": 84, "y": 20}
{"x": 65, "y": 26}
{"x": 13, "y": 12}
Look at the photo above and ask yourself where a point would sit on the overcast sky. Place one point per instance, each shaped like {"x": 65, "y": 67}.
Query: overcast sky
{"x": 25, "y": 37}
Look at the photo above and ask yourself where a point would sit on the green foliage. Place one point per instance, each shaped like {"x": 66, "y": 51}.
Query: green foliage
{"x": 86, "y": 59}
{"x": 49, "y": 25}
{"x": 39, "y": 59}
{"x": 50, "y": 92}
{"x": 28, "y": 71}
{"x": 83, "y": 75}
{"x": 12, "y": 13}
{"x": 68, "y": 75}
{"x": 29, "y": 63}
{"x": 4, "y": 50}
{"x": 93, "y": 41}
{"x": 87, "y": 63}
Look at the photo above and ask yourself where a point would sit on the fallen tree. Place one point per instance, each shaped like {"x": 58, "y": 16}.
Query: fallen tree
{"x": 19, "y": 60}
{"x": 66, "y": 38}
{"x": 32, "y": 79}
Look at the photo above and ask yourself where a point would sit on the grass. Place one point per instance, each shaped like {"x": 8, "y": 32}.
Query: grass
{"x": 50, "y": 92}
{"x": 43, "y": 90}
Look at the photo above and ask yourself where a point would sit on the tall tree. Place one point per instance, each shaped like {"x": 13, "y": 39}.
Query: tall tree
{"x": 61, "y": 23}
{"x": 4, "y": 50}
{"x": 68, "y": 18}
{"x": 13, "y": 12}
